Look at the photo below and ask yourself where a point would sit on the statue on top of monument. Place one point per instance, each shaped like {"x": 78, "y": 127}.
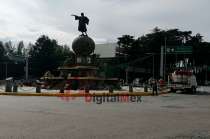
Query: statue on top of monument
{"x": 83, "y": 21}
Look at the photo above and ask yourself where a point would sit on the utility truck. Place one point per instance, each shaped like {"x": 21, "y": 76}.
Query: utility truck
{"x": 184, "y": 80}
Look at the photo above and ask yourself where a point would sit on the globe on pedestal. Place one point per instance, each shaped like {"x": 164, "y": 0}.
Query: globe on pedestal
{"x": 83, "y": 45}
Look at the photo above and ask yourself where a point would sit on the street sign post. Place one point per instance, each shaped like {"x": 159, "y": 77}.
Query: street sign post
{"x": 179, "y": 50}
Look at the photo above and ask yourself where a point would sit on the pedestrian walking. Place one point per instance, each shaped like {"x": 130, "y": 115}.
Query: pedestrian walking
{"x": 154, "y": 87}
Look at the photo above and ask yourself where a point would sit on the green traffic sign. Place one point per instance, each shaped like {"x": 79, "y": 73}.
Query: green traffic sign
{"x": 208, "y": 68}
{"x": 179, "y": 49}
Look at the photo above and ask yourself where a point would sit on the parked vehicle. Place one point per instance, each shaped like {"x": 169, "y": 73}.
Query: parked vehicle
{"x": 183, "y": 80}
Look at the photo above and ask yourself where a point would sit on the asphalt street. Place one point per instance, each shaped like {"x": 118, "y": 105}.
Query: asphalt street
{"x": 169, "y": 116}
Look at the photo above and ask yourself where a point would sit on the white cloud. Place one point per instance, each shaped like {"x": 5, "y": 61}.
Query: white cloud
{"x": 28, "y": 19}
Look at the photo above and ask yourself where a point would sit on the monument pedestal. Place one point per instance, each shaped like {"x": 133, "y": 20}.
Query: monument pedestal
{"x": 84, "y": 73}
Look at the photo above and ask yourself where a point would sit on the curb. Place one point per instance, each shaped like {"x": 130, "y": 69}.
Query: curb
{"x": 80, "y": 94}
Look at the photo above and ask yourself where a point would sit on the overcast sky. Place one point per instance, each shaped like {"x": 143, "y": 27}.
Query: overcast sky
{"x": 28, "y": 19}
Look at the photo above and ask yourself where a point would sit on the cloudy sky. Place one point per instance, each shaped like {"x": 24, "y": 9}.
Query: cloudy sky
{"x": 28, "y": 19}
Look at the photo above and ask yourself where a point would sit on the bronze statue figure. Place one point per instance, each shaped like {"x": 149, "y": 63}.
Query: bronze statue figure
{"x": 83, "y": 21}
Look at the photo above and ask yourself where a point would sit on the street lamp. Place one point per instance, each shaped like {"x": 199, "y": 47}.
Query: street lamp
{"x": 26, "y": 67}
{"x": 6, "y": 70}
{"x": 153, "y": 63}
{"x": 206, "y": 74}
{"x": 165, "y": 66}
{"x": 6, "y": 66}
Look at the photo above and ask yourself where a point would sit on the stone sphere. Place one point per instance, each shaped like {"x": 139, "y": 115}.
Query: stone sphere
{"x": 83, "y": 45}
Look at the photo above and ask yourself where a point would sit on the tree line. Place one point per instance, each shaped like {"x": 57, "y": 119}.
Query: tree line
{"x": 132, "y": 48}
{"x": 45, "y": 54}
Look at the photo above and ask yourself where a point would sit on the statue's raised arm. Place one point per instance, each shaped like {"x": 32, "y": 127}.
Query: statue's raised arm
{"x": 83, "y": 21}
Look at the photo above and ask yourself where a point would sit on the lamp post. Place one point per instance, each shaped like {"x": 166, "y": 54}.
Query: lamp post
{"x": 165, "y": 66}
{"x": 153, "y": 63}
{"x": 26, "y": 67}
{"x": 6, "y": 64}
{"x": 161, "y": 61}
{"x": 153, "y": 66}
{"x": 206, "y": 74}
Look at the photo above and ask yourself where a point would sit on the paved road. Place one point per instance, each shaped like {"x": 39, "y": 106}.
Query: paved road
{"x": 170, "y": 116}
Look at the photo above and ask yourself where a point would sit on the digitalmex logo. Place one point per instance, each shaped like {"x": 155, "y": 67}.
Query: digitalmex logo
{"x": 100, "y": 98}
